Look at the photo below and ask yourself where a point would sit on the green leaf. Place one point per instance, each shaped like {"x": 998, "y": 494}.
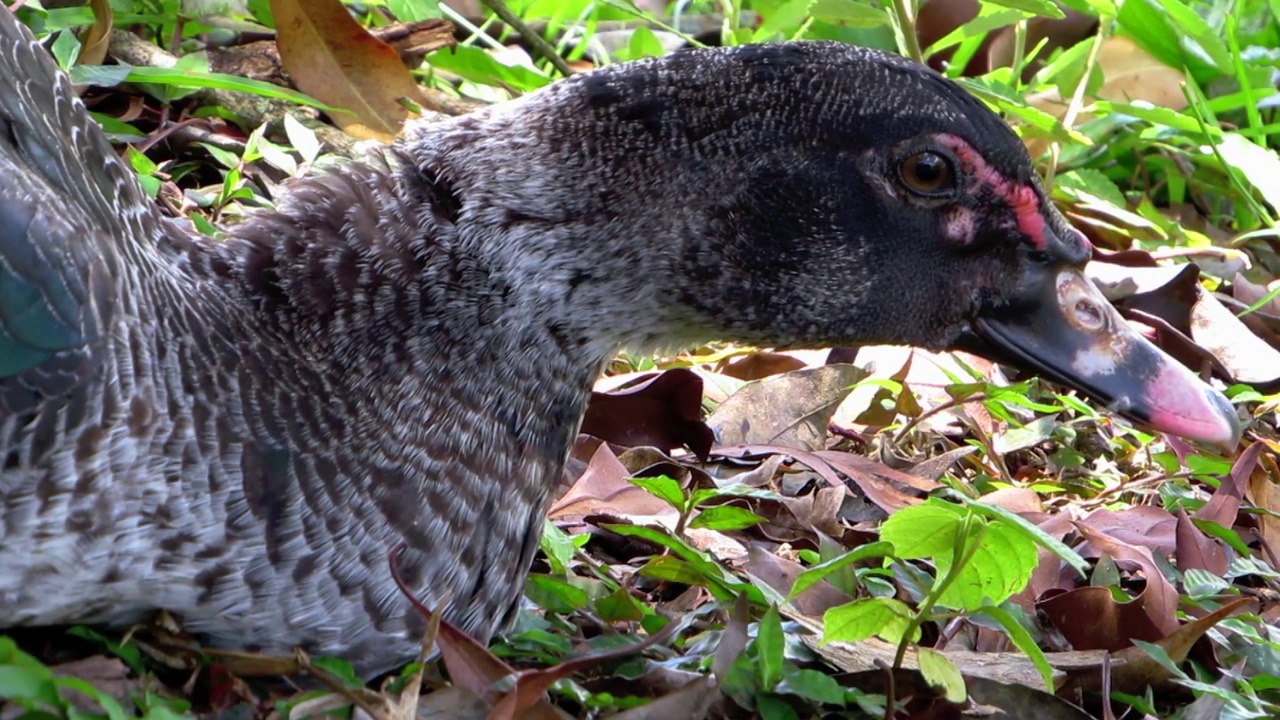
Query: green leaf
{"x": 921, "y": 531}
{"x": 407, "y": 11}
{"x": 555, "y": 594}
{"x": 1038, "y": 536}
{"x": 1024, "y": 641}
{"x": 109, "y": 704}
{"x": 1043, "y": 8}
{"x": 28, "y": 684}
{"x": 811, "y": 685}
{"x": 997, "y": 568}
{"x": 1176, "y": 35}
{"x": 990, "y": 17}
{"x": 670, "y": 569}
{"x": 186, "y": 80}
{"x": 619, "y": 606}
{"x": 302, "y": 138}
{"x": 66, "y": 49}
{"x": 770, "y": 643}
{"x": 783, "y": 21}
{"x": 725, "y": 517}
{"x": 769, "y": 707}
{"x": 1259, "y": 165}
{"x": 643, "y": 43}
{"x": 478, "y": 66}
{"x": 848, "y": 12}
{"x": 664, "y": 488}
{"x": 820, "y": 571}
{"x": 558, "y": 546}
{"x": 939, "y": 671}
{"x": 1100, "y": 186}
{"x": 721, "y": 584}
{"x": 886, "y": 618}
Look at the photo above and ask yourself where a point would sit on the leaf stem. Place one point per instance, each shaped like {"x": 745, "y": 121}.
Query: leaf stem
{"x": 905, "y": 12}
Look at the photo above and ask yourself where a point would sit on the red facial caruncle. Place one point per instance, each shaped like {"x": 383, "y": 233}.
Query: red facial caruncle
{"x": 1020, "y": 197}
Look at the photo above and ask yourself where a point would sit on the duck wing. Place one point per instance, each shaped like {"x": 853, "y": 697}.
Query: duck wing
{"x": 75, "y": 227}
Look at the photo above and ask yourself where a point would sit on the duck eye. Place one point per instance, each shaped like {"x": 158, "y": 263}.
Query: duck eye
{"x": 928, "y": 173}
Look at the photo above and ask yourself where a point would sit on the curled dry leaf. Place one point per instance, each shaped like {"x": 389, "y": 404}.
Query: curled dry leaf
{"x": 664, "y": 411}
{"x": 1159, "y": 598}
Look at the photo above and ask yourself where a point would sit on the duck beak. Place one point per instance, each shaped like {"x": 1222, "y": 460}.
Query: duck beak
{"x": 1062, "y": 327}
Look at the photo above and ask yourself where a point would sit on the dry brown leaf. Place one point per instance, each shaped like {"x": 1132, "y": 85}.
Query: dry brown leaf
{"x": 1196, "y": 550}
{"x": 664, "y": 411}
{"x": 93, "y": 46}
{"x": 603, "y": 489}
{"x": 1245, "y": 356}
{"x": 794, "y": 409}
{"x": 780, "y": 574}
{"x": 759, "y": 365}
{"x": 1159, "y": 598}
{"x": 1137, "y": 670}
{"x": 331, "y": 58}
{"x": 1090, "y": 618}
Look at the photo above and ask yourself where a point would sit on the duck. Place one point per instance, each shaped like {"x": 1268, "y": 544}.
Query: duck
{"x": 400, "y": 352}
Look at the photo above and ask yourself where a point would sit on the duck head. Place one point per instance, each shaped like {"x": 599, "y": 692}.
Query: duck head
{"x": 851, "y": 197}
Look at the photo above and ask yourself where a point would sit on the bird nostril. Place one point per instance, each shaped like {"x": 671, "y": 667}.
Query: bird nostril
{"x": 1088, "y": 314}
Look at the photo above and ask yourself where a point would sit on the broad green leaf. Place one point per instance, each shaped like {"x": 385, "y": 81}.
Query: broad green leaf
{"x": 555, "y": 594}
{"x": 922, "y": 531}
{"x": 480, "y": 67}
{"x": 1259, "y": 165}
{"x": 848, "y": 12}
{"x": 810, "y": 684}
{"x": 818, "y": 572}
{"x": 998, "y": 567}
{"x": 770, "y": 643}
{"x": 725, "y": 517}
{"x": 1043, "y": 8}
{"x": 407, "y": 11}
{"x": 939, "y": 671}
{"x": 1035, "y": 534}
{"x": 664, "y": 488}
{"x": 886, "y": 618}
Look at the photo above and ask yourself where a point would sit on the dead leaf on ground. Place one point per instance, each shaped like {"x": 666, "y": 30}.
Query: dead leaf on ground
{"x": 331, "y": 58}
{"x": 1159, "y": 598}
{"x": 664, "y": 411}
{"x": 794, "y": 409}
{"x": 1137, "y": 670}
{"x": 1090, "y": 618}
{"x": 604, "y": 489}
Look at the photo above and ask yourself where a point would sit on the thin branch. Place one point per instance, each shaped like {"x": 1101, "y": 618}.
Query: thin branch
{"x": 536, "y": 41}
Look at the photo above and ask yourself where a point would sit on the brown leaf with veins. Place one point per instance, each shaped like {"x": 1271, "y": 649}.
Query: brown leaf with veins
{"x": 794, "y": 409}
{"x": 333, "y": 59}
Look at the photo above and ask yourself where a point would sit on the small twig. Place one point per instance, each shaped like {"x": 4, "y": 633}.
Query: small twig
{"x": 536, "y": 41}
{"x": 902, "y": 434}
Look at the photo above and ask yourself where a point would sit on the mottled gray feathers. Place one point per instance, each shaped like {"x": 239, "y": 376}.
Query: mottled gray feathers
{"x": 241, "y": 431}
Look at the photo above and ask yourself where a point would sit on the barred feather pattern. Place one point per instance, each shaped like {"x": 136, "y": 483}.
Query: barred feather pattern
{"x": 240, "y": 430}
